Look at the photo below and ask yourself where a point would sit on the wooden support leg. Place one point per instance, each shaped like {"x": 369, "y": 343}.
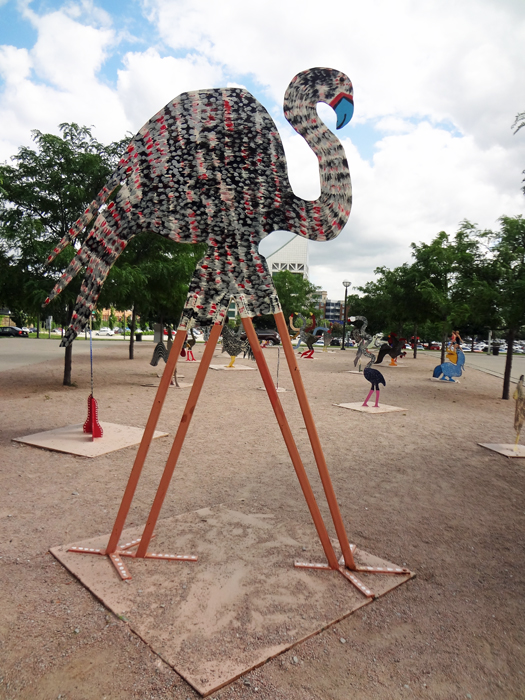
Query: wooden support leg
{"x": 145, "y": 443}
{"x": 315, "y": 442}
{"x": 178, "y": 441}
{"x": 290, "y": 442}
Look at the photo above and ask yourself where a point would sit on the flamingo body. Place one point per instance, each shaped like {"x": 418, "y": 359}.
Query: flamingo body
{"x": 210, "y": 168}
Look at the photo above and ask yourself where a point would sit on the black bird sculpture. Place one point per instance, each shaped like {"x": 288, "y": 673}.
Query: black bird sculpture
{"x": 374, "y": 376}
{"x": 394, "y": 348}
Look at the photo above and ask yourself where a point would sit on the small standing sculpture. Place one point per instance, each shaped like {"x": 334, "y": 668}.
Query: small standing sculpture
{"x": 188, "y": 345}
{"x": 304, "y": 336}
{"x": 374, "y": 376}
{"x": 393, "y": 347}
{"x": 327, "y": 338}
{"x": 232, "y": 343}
{"x": 519, "y": 415}
{"x": 361, "y": 337}
{"x": 450, "y": 369}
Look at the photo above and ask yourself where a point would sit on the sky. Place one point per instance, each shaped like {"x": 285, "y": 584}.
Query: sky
{"x": 437, "y": 86}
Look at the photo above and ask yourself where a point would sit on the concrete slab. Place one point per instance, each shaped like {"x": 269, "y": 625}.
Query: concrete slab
{"x": 444, "y": 381}
{"x": 279, "y": 390}
{"x": 232, "y": 369}
{"x": 182, "y": 385}
{"x": 369, "y": 409}
{"x": 506, "y": 450}
{"x": 72, "y": 440}
{"x": 240, "y": 604}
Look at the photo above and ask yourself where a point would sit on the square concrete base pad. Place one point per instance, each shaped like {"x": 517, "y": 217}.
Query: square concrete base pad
{"x": 73, "y": 440}
{"x": 369, "y": 409}
{"x": 182, "y": 385}
{"x": 444, "y": 381}
{"x": 507, "y": 450}
{"x": 240, "y": 604}
{"x": 232, "y": 369}
{"x": 353, "y": 371}
{"x": 279, "y": 389}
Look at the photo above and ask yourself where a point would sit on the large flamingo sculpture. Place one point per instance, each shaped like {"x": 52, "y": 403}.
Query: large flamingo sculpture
{"x": 210, "y": 167}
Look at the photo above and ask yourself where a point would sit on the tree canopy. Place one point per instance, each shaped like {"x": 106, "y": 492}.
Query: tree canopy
{"x": 42, "y": 193}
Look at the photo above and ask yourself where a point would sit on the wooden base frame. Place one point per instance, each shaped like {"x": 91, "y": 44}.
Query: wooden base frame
{"x": 346, "y": 565}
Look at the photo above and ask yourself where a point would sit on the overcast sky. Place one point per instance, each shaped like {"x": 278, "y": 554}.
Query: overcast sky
{"x": 437, "y": 86}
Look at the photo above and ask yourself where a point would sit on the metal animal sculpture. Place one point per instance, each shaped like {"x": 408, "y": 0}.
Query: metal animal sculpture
{"x": 449, "y": 370}
{"x": 361, "y": 337}
{"x": 519, "y": 415}
{"x": 188, "y": 345}
{"x": 305, "y": 337}
{"x": 210, "y": 167}
{"x": 232, "y": 343}
{"x": 394, "y": 348}
{"x": 374, "y": 376}
{"x": 160, "y": 352}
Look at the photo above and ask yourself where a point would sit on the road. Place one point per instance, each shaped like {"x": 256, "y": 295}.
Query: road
{"x": 20, "y": 352}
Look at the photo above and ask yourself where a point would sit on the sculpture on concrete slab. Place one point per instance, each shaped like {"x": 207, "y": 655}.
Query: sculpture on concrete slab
{"x": 449, "y": 370}
{"x": 394, "y": 347}
{"x": 210, "y": 167}
{"x": 232, "y": 343}
{"x": 374, "y": 376}
{"x": 189, "y": 345}
{"x": 305, "y": 336}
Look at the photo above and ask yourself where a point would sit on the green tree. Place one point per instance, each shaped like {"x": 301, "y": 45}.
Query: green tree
{"x": 296, "y": 294}
{"x": 42, "y": 194}
{"x": 151, "y": 277}
{"x": 507, "y": 248}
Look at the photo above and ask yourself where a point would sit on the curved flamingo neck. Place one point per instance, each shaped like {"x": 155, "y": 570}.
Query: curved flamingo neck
{"x": 324, "y": 218}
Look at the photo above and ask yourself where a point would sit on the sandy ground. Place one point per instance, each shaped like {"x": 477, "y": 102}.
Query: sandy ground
{"x": 413, "y": 486}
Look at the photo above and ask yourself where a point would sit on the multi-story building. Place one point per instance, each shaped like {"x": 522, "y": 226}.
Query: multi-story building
{"x": 292, "y": 256}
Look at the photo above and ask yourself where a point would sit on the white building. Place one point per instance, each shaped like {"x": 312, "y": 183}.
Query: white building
{"x": 292, "y": 256}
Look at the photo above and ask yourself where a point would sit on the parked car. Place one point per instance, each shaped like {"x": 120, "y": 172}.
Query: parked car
{"x": 104, "y": 331}
{"x": 335, "y": 342}
{"x": 271, "y": 336}
{"x": 13, "y": 332}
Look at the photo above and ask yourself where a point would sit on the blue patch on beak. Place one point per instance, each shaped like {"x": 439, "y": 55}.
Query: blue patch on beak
{"x": 344, "y": 110}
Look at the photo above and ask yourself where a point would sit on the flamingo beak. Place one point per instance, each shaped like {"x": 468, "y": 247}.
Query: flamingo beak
{"x": 343, "y": 106}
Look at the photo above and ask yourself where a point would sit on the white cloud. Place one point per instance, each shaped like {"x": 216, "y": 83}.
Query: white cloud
{"x": 437, "y": 84}
{"x": 149, "y": 81}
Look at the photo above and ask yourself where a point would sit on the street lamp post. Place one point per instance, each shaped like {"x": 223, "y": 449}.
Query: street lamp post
{"x": 346, "y": 284}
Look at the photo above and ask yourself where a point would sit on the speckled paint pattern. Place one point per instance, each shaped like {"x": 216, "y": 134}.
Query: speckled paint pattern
{"x": 210, "y": 168}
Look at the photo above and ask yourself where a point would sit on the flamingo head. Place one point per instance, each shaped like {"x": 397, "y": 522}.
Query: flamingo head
{"x": 315, "y": 85}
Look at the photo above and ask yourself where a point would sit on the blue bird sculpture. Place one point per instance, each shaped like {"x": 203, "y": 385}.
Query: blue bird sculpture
{"x": 449, "y": 369}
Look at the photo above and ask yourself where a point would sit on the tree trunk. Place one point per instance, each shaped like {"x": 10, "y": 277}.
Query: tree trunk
{"x": 508, "y": 363}
{"x": 69, "y": 352}
{"x": 415, "y": 342}
{"x": 132, "y": 334}
{"x": 38, "y": 326}
{"x": 443, "y": 347}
